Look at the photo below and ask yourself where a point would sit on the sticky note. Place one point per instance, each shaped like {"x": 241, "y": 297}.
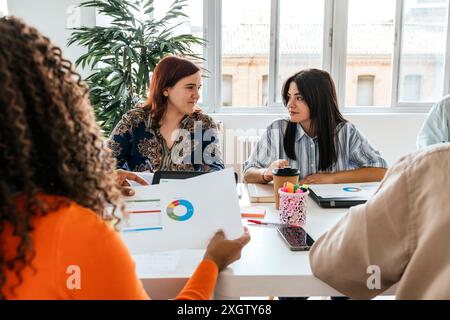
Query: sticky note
{"x": 253, "y": 212}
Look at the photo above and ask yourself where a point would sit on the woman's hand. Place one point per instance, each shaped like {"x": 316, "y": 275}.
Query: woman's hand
{"x": 320, "y": 178}
{"x": 123, "y": 176}
{"x": 224, "y": 252}
{"x": 278, "y": 164}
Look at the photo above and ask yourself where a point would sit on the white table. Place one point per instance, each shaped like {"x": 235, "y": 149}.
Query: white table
{"x": 267, "y": 266}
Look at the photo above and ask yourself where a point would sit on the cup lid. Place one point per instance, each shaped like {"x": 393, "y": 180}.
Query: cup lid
{"x": 286, "y": 172}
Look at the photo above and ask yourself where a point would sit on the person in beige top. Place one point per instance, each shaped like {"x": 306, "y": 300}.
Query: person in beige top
{"x": 401, "y": 235}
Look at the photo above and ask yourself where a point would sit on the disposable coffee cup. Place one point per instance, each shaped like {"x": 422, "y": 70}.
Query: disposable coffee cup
{"x": 280, "y": 176}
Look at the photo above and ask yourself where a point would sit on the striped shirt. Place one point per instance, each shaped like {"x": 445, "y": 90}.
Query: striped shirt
{"x": 354, "y": 150}
{"x": 436, "y": 128}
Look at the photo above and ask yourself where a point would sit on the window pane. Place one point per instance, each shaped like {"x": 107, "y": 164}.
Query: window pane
{"x": 192, "y": 24}
{"x": 245, "y": 49}
{"x": 424, "y": 34}
{"x": 370, "y": 47}
{"x": 301, "y": 38}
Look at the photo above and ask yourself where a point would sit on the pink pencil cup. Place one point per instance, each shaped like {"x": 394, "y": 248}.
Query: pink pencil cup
{"x": 293, "y": 208}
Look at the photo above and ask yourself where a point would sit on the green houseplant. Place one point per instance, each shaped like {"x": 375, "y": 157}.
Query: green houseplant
{"x": 123, "y": 55}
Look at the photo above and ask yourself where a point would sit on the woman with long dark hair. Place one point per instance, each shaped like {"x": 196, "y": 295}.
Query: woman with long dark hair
{"x": 316, "y": 139}
{"x": 169, "y": 132}
{"x": 56, "y": 181}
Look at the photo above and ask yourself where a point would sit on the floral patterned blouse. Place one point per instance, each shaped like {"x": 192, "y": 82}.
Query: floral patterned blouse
{"x": 137, "y": 138}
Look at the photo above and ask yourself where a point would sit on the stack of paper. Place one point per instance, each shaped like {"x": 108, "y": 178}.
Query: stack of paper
{"x": 261, "y": 193}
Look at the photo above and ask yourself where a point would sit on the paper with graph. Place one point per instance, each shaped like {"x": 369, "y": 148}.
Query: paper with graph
{"x": 184, "y": 214}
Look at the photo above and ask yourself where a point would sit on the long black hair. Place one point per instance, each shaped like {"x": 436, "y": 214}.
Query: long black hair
{"x": 319, "y": 93}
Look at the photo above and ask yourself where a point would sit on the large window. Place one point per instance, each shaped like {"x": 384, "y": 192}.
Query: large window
{"x": 384, "y": 55}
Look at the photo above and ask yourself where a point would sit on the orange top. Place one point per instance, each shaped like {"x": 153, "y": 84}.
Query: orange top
{"x": 79, "y": 256}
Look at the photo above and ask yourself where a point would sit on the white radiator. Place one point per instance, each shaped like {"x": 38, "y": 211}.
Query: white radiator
{"x": 244, "y": 147}
{"x": 236, "y": 147}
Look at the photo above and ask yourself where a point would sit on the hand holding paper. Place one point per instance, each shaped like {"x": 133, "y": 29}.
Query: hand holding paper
{"x": 184, "y": 214}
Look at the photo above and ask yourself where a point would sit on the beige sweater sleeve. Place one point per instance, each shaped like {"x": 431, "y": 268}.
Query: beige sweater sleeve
{"x": 373, "y": 236}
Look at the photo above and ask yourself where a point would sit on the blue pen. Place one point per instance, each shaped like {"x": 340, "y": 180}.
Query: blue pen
{"x": 149, "y": 165}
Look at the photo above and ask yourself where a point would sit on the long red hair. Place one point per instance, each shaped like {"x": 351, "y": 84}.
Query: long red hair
{"x": 167, "y": 73}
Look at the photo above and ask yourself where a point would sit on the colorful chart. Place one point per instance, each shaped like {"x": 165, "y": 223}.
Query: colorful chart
{"x": 184, "y": 203}
{"x": 352, "y": 189}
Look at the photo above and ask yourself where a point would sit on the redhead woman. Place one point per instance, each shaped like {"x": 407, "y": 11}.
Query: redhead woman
{"x": 168, "y": 132}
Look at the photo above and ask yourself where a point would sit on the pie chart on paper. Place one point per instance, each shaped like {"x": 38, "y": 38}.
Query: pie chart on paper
{"x": 175, "y": 208}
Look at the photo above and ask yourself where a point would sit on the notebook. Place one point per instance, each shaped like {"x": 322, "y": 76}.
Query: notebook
{"x": 260, "y": 193}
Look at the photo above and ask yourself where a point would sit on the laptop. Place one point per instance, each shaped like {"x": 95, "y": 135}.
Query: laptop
{"x": 342, "y": 195}
{"x": 168, "y": 176}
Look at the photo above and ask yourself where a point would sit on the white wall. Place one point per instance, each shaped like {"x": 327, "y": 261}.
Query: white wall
{"x": 53, "y": 18}
{"x": 393, "y": 134}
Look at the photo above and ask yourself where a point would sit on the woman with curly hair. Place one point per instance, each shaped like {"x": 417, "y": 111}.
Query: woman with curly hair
{"x": 169, "y": 132}
{"x": 56, "y": 180}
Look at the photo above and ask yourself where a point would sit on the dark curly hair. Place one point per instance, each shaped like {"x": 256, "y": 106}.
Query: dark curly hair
{"x": 49, "y": 140}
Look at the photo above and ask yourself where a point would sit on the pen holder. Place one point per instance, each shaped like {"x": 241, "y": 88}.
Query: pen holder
{"x": 293, "y": 208}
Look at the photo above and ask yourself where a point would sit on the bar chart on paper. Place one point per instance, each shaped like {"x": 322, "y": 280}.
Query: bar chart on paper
{"x": 143, "y": 215}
